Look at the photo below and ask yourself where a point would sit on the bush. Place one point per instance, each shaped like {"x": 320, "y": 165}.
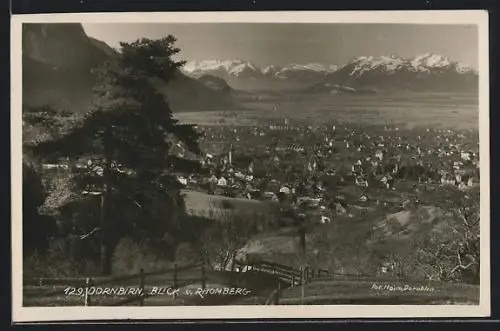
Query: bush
{"x": 130, "y": 257}
{"x": 226, "y": 204}
{"x": 186, "y": 254}
{"x": 58, "y": 261}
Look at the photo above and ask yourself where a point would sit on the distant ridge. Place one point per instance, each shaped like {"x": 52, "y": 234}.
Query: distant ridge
{"x": 364, "y": 74}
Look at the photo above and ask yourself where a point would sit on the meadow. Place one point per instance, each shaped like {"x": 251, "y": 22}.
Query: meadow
{"x": 440, "y": 110}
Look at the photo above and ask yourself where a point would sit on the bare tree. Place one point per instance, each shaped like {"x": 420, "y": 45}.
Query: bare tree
{"x": 228, "y": 232}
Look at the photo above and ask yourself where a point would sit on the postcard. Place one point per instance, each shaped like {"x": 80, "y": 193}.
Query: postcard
{"x": 208, "y": 165}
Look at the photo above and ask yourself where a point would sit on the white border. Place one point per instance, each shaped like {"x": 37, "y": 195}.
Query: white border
{"x": 36, "y": 314}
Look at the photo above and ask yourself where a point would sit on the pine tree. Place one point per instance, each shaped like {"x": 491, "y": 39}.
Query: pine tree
{"x": 126, "y": 139}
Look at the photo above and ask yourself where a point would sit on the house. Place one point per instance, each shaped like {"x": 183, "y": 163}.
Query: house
{"x": 182, "y": 180}
{"x": 301, "y": 200}
{"x": 361, "y": 182}
{"x": 269, "y": 195}
{"x": 239, "y": 175}
{"x": 325, "y": 220}
{"x": 213, "y": 180}
{"x": 331, "y": 172}
{"x": 55, "y": 166}
{"x": 314, "y": 202}
{"x": 285, "y": 190}
{"x": 222, "y": 182}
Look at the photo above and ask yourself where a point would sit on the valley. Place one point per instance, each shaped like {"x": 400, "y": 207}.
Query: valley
{"x": 445, "y": 110}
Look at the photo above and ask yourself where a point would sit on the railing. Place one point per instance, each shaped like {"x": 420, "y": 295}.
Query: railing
{"x": 288, "y": 275}
{"x": 293, "y": 277}
{"x": 84, "y": 285}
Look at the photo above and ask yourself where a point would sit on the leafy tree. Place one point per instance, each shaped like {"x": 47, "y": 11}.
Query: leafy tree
{"x": 126, "y": 140}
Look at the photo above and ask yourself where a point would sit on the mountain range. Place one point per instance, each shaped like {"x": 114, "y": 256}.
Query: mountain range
{"x": 364, "y": 73}
{"x": 246, "y": 75}
{"x": 58, "y": 62}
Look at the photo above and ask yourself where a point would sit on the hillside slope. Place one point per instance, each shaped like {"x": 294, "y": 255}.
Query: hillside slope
{"x": 58, "y": 63}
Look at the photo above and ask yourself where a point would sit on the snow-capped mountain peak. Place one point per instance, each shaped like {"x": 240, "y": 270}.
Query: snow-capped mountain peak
{"x": 239, "y": 68}
{"x": 271, "y": 70}
{"x": 363, "y": 64}
{"x": 420, "y": 63}
{"x": 362, "y": 71}
{"x": 430, "y": 60}
{"x": 231, "y": 67}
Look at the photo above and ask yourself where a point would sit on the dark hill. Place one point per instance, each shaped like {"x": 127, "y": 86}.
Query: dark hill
{"x": 58, "y": 63}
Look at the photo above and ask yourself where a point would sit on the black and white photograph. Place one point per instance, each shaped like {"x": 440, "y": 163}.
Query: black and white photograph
{"x": 205, "y": 165}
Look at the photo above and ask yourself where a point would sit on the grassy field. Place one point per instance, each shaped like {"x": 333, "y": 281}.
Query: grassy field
{"x": 458, "y": 111}
{"x": 363, "y": 292}
{"x": 199, "y": 203}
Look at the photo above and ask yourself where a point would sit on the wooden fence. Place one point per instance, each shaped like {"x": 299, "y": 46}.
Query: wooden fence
{"x": 293, "y": 277}
{"x": 139, "y": 280}
{"x": 287, "y": 277}
{"x": 290, "y": 275}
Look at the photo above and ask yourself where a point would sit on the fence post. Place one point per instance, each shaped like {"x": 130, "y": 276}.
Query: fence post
{"x": 174, "y": 285}
{"x": 293, "y": 279}
{"x": 278, "y": 294}
{"x": 141, "y": 280}
{"x": 88, "y": 284}
{"x": 203, "y": 276}
{"x": 301, "y": 275}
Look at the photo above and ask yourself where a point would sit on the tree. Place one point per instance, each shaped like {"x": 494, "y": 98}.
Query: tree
{"x": 37, "y": 228}
{"x": 457, "y": 257}
{"x": 126, "y": 139}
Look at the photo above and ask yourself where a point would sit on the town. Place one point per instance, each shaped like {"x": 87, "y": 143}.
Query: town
{"x": 316, "y": 166}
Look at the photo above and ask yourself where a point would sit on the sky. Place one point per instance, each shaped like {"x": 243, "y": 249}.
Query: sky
{"x": 283, "y": 43}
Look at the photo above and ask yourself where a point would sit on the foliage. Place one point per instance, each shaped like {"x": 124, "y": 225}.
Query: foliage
{"x": 457, "y": 257}
{"x": 126, "y": 141}
{"x": 58, "y": 260}
{"x": 130, "y": 256}
{"x": 450, "y": 254}
{"x": 37, "y": 228}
